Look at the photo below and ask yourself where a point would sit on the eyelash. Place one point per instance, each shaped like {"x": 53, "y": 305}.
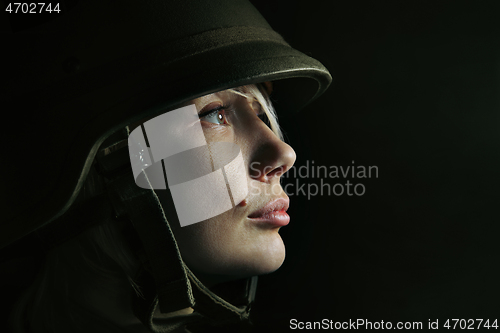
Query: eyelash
{"x": 208, "y": 113}
{"x": 262, "y": 115}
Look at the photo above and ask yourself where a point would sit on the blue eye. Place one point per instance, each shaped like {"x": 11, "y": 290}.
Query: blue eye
{"x": 263, "y": 116}
{"x": 259, "y": 111}
{"x": 216, "y": 116}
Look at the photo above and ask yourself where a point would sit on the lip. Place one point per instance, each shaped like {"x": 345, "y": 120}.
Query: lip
{"x": 274, "y": 213}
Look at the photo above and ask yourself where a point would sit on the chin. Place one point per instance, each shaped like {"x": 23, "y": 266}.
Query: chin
{"x": 259, "y": 259}
{"x": 263, "y": 259}
{"x": 271, "y": 257}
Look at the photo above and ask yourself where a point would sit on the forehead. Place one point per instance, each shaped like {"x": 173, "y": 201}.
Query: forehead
{"x": 221, "y": 96}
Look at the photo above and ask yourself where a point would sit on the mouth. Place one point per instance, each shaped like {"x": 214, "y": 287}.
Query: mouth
{"x": 273, "y": 214}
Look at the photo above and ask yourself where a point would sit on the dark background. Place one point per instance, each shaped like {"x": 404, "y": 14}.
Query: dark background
{"x": 416, "y": 93}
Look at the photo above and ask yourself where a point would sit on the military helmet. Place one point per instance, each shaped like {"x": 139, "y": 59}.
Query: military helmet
{"x": 86, "y": 72}
{"x": 77, "y": 78}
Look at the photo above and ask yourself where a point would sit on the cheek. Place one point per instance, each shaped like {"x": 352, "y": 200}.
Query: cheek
{"x": 214, "y": 133}
{"x": 206, "y": 242}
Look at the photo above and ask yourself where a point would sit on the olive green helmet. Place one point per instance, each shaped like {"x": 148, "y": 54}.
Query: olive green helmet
{"x": 77, "y": 78}
{"x": 97, "y": 66}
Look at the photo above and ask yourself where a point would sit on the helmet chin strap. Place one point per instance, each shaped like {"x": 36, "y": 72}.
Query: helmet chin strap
{"x": 165, "y": 280}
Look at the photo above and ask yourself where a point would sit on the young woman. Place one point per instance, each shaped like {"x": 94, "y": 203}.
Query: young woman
{"x": 117, "y": 256}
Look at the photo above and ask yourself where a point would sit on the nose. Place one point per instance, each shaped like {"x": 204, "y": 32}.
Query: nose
{"x": 271, "y": 157}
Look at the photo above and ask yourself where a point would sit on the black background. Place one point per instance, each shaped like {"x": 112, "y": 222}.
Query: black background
{"x": 416, "y": 93}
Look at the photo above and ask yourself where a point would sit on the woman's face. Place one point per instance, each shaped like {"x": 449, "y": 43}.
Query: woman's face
{"x": 243, "y": 241}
